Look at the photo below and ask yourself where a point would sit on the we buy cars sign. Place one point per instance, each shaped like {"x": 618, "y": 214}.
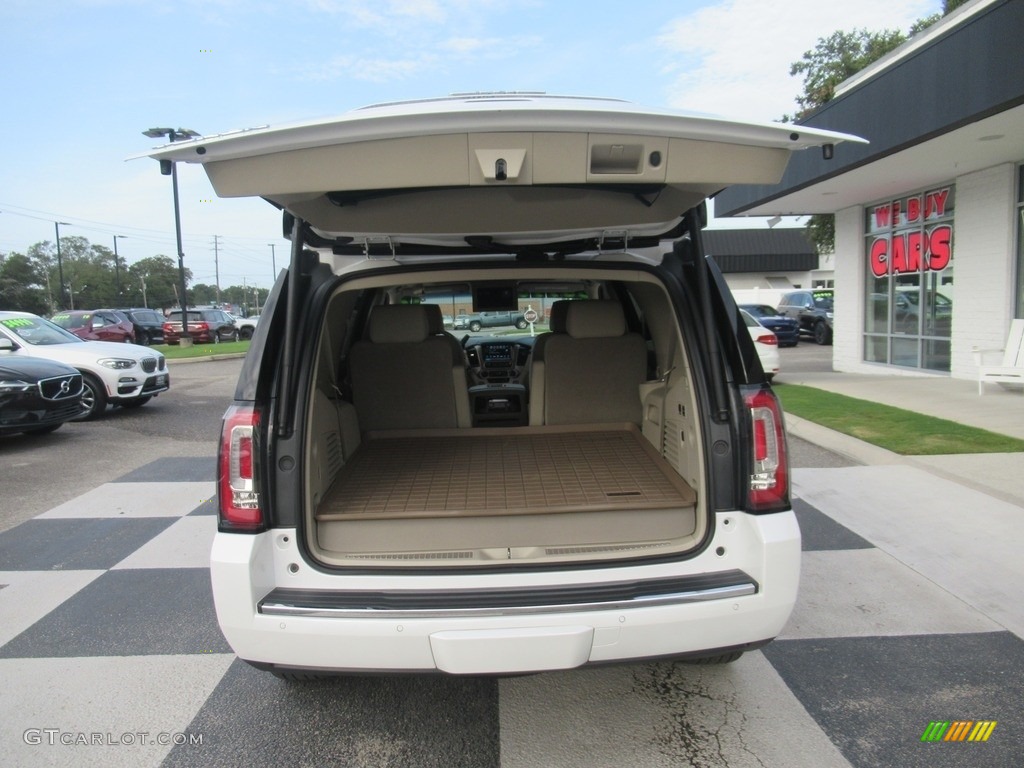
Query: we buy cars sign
{"x": 919, "y": 248}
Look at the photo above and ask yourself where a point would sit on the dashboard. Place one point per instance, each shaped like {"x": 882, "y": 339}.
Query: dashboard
{"x": 498, "y": 361}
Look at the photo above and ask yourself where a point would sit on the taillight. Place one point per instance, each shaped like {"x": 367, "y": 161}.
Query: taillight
{"x": 237, "y": 487}
{"x": 768, "y": 489}
{"x": 768, "y": 338}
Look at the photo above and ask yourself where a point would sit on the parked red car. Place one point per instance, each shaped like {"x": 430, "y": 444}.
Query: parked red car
{"x": 97, "y": 325}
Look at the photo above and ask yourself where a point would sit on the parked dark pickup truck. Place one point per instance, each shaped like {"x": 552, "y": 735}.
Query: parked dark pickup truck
{"x": 480, "y": 320}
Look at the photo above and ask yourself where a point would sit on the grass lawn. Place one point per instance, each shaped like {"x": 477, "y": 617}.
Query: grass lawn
{"x": 178, "y": 352}
{"x": 897, "y": 430}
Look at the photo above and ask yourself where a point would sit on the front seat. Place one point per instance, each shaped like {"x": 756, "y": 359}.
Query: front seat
{"x": 404, "y": 377}
{"x": 593, "y": 371}
{"x": 556, "y": 324}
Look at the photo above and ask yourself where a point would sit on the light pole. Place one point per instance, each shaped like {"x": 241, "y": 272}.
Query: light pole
{"x": 170, "y": 168}
{"x": 273, "y": 264}
{"x": 60, "y": 263}
{"x": 117, "y": 267}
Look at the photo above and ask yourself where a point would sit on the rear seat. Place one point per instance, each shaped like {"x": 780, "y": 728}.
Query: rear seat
{"x": 591, "y": 373}
{"x": 405, "y": 377}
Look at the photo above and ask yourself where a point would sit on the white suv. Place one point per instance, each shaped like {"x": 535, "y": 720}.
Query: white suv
{"x": 120, "y": 374}
{"x": 396, "y": 498}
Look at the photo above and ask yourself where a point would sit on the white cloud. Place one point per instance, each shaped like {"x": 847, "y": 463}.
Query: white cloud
{"x": 733, "y": 58}
{"x": 374, "y": 70}
{"x": 378, "y": 13}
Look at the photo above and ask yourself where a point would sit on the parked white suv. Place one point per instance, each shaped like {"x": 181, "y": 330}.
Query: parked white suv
{"x": 395, "y": 499}
{"x": 120, "y": 374}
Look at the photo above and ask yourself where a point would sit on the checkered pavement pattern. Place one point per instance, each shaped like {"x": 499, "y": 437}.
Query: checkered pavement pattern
{"x": 110, "y": 655}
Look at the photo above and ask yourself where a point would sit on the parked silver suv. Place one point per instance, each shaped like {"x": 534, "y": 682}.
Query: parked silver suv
{"x": 614, "y": 489}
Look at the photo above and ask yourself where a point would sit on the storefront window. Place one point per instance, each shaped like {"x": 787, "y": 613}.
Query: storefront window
{"x": 909, "y": 286}
{"x": 1020, "y": 242}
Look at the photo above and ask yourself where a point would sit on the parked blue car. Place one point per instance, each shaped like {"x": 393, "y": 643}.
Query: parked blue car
{"x": 785, "y": 328}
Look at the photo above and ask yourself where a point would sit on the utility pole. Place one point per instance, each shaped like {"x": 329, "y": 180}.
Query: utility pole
{"x": 273, "y": 264}
{"x": 216, "y": 266}
{"x": 60, "y": 265}
{"x": 117, "y": 268}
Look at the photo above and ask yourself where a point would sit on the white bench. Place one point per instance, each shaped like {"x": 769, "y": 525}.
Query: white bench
{"x": 1011, "y": 371}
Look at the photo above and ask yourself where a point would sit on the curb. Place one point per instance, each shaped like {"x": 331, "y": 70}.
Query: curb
{"x": 966, "y": 472}
{"x": 837, "y": 442}
{"x": 205, "y": 358}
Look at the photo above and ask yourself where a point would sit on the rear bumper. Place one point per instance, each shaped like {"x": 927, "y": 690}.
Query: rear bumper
{"x": 247, "y": 569}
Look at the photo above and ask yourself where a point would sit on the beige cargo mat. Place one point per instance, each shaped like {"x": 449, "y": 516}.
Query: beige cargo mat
{"x": 524, "y": 470}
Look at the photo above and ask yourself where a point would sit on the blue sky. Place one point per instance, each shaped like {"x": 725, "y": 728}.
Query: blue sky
{"x": 84, "y": 78}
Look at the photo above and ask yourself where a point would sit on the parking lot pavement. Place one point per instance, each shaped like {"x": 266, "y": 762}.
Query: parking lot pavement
{"x": 909, "y": 614}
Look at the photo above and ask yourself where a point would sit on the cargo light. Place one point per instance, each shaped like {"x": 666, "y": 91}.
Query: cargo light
{"x": 769, "y": 463}
{"x": 239, "y": 498}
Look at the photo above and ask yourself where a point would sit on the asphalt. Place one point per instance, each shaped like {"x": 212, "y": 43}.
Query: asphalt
{"x": 999, "y": 410}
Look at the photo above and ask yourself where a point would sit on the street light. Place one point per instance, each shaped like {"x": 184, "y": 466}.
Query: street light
{"x": 169, "y": 168}
{"x": 60, "y": 263}
{"x": 117, "y": 267}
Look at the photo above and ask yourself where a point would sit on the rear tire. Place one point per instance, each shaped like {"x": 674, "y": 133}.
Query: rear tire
{"x": 474, "y": 327}
{"x": 521, "y": 324}
{"x": 822, "y": 333}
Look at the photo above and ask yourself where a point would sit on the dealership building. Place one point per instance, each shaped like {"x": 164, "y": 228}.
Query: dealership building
{"x": 929, "y": 216}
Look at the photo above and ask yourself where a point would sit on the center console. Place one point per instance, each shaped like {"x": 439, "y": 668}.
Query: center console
{"x": 499, "y": 405}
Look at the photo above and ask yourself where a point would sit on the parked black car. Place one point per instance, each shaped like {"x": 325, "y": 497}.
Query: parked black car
{"x": 148, "y": 323}
{"x": 786, "y": 329}
{"x": 813, "y": 310}
{"x": 37, "y": 396}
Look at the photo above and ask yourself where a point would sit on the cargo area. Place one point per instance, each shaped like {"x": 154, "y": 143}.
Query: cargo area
{"x": 489, "y": 492}
{"x": 426, "y": 447}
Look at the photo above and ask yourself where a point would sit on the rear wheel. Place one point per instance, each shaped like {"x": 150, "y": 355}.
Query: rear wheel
{"x": 822, "y": 333}
{"x": 474, "y": 327}
{"x": 94, "y": 398}
{"x": 521, "y": 324}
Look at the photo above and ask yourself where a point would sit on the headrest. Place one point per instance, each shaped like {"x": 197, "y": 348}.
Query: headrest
{"x": 435, "y": 320}
{"x": 595, "y": 319}
{"x": 395, "y": 323}
{"x": 556, "y": 316}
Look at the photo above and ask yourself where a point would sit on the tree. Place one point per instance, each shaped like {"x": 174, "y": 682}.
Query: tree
{"x": 153, "y": 282}
{"x": 22, "y": 284}
{"x": 837, "y": 58}
{"x": 833, "y": 60}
